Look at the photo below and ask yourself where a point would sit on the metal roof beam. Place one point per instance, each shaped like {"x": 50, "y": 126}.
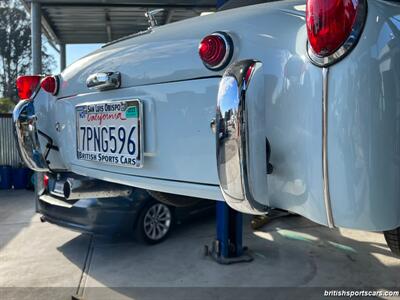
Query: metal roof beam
{"x": 107, "y": 5}
{"x": 163, "y": 3}
{"x": 48, "y": 30}
{"x": 106, "y": 20}
{"x": 108, "y": 27}
{"x": 168, "y": 17}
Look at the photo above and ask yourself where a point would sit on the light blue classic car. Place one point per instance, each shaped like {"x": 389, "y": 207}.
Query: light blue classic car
{"x": 284, "y": 104}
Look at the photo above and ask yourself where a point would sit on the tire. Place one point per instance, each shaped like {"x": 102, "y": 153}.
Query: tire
{"x": 153, "y": 231}
{"x": 392, "y": 238}
{"x": 174, "y": 200}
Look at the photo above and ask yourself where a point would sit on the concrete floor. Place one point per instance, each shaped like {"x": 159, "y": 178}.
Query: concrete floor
{"x": 40, "y": 259}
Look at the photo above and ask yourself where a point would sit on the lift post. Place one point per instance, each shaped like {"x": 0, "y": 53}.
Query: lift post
{"x": 228, "y": 248}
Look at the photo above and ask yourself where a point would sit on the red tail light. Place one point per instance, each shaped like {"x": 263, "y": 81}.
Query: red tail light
{"x": 27, "y": 86}
{"x": 332, "y": 24}
{"x": 50, "y": 84}
{"x": 249, "y": 72}
{"x": 45, "y": 181}
{"x": 216, "y": 50}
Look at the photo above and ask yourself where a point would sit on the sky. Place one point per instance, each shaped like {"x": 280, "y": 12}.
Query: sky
{"x": 74, "y": 52}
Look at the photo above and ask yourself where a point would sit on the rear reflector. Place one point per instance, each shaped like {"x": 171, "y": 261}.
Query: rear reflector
{"x": 50, "y": 84}
{"x": 27, "y": 85}
{"x": 334, "y": 25}
{"x": 249, "y": 73}
{"x": 216, "y": 50}
{"x": 45, "y": 181}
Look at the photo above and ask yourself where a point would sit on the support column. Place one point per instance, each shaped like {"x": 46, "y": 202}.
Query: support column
{"x": 227, "y": 248}
{"x": 36, "y": 37}
{"x": 63, "y": 57}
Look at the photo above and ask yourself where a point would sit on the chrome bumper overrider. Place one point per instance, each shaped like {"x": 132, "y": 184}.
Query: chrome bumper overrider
{"x": 232, "y": 137}
{"x": 27, "y": 136}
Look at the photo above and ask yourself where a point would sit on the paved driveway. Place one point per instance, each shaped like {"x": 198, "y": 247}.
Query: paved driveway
{"x": 292, "y": 255}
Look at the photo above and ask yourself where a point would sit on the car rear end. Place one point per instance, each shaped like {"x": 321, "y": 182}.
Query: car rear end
{"x": 329, "y": 147}
{"x": 162, "y": 76}
{"x": 94, "y": 214}
{"x": 292, "y": 121}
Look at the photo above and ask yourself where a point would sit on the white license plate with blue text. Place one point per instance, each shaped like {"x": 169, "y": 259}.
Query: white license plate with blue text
{"x": 110, "y": 132}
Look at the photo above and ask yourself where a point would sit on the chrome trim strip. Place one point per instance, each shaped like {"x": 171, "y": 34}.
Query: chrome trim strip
{"x": 57, "y": 79}
{"x": 347, "y": 45}
{"x": 124, "y": 38}
{"x": 104, "y": 80}
{"x": 325, "y": 173}
{"x": 141, "y": 132}
{"x": 27, "y": 136}
{"x": 231, "y": 137}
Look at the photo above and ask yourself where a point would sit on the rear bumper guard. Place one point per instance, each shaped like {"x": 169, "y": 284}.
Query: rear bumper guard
{"x": 232, "y": 138}
{"x": 27, "y": 136}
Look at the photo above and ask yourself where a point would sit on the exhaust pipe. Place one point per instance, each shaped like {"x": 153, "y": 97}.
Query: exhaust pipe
{"x": 85, "y": 188}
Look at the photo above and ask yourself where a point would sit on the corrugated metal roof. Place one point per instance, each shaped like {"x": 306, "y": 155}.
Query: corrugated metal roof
{"x": 100, "y": 21}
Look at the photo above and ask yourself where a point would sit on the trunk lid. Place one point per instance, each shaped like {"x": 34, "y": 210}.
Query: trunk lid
{"x": 168, "y": 53}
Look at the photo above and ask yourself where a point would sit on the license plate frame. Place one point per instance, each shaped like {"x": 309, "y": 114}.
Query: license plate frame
{"x": 90, "y": 108}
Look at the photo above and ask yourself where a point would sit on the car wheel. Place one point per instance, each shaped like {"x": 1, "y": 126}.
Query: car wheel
{"x": 392, "y": 238}
{"x": 154, "y": 223}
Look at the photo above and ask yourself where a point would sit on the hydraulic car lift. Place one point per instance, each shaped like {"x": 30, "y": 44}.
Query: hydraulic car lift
{"x": 227, "y": 248}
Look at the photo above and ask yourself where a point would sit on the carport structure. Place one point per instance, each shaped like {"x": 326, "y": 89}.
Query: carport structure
{"x": 100, "y": 21}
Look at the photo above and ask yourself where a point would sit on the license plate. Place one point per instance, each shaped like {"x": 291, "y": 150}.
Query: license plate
{"x": 110, "y": 132}
{"x": 58, "y": 189}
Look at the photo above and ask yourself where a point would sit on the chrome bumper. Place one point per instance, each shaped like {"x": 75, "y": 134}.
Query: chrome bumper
{"x": 27, "y": 136}
{"x": 232, "y": 135}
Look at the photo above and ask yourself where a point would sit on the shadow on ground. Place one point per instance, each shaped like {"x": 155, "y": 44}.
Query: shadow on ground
{"x": 290, "y": 252}
{"x": 293, "y": 257}
{"x": 31, "y": 267}
{"x": 17, "y": 211}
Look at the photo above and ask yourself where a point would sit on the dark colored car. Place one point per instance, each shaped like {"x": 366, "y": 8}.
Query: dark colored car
{"x": 138, "y": 213}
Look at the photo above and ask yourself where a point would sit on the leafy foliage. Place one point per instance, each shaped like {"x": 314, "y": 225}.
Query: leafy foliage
{"x": 15, "y": 47}
{"x": 6, "y": 105}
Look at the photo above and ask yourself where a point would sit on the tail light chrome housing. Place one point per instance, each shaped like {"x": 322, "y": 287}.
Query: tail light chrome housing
{"x": 216, "y": 50}
{"x": 333, "y": 28}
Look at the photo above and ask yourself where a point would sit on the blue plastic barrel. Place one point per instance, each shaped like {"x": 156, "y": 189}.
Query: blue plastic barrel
{"x": 5, "y": 177}
{"x": 20, "y": 178}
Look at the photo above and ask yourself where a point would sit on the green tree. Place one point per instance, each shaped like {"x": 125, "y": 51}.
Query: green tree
{"x": 15, "y": 47}
{"x": 6, "y": 105}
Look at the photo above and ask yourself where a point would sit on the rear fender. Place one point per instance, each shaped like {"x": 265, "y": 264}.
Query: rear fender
{"x": 242, "y": 170}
